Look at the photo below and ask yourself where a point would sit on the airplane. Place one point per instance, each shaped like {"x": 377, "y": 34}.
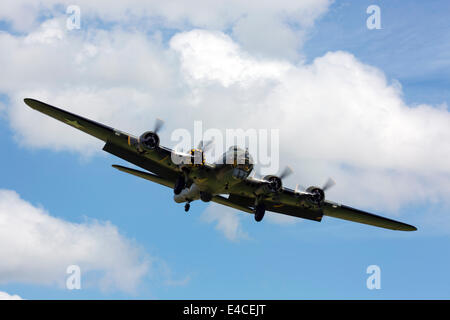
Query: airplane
{"x": 228, "y": 182}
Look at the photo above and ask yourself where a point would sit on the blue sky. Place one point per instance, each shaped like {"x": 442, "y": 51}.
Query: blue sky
{"x": 191, "y": 259}
{"x": 412, "y": 45}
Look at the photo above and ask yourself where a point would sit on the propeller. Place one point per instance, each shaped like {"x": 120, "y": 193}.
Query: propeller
{"x": 330, "y": 182}
{"x": 205, "y": 146}
{"x": 299, "y": 189}
{"x": 286, "y": 172}
{"x": 276, "y": 183}
{"x": 158, "y": 125}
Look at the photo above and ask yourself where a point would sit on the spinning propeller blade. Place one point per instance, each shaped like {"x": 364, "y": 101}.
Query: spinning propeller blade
{"x": 286, "y": 172}
{"x": 330, "y": 182}
{"x": 158, "y": 125}
{"x": 205, "y": 146}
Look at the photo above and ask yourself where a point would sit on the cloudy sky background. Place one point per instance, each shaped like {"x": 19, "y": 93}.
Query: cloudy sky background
{"x": 367, "y": 107}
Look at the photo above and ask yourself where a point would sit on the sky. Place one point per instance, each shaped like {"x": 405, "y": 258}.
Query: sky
{"x": 368, "y": 107}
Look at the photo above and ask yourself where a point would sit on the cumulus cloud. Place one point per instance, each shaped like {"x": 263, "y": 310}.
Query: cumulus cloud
{"x": 123, "y": 74}
{"x": 37, "y": 248}
{"x": 338, "y": 116}
{"x": 7, "y": 296}
{"x": 227, "y": 221}
{"x": 263, "y": 26}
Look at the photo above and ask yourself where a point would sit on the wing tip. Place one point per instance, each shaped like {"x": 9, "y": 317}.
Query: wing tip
{"x": 32, "y": 103}
{"x": 407, "y": 227}
{"x": 28, "y": 101}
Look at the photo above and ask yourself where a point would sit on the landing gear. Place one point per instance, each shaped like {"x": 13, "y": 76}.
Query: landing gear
{"x": 260, "y": 209}
{"x": 187, "y": 206}
{"x": 179, "y": 185}
{"x": 205, "y": 196}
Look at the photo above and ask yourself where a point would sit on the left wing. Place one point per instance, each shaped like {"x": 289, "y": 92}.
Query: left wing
{"x": 117, "y": 142}
{"x": 93, "y": 128}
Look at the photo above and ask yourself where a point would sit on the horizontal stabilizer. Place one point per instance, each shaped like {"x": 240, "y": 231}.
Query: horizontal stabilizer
{"x": 145, "y": 175}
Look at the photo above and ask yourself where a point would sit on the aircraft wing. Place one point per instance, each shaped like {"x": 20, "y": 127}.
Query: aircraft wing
{"x": 288, "y": 202}
{"x": 117, "y": 142}
{"x": 340, "y": 211}
{"x": 278, "y": 206}
{"x": 93, "y": 128}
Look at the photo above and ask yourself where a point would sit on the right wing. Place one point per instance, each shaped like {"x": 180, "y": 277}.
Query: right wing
{"x": 289, "y": 203}
{"x": 278, "y": 206}
{"x": 341, "y": 211}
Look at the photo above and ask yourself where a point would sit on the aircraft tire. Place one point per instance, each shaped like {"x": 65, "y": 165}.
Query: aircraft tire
{"x": 260, "y": 210}
{"x": 205, "y": 196}
{"x": 179, "y": 185}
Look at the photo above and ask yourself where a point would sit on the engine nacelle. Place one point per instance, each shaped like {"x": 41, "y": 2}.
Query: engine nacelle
{"x": 274, "y": 183}
{"x": 148, "y": 141}
{"x": 317, "y": 196}
{"x": 188, "y": 194}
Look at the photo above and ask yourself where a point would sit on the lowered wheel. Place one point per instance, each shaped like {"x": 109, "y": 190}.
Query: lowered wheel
{"x": 179, "y": 185}
{"x": 205, "y": 196}
{"x": 260, "y": 209}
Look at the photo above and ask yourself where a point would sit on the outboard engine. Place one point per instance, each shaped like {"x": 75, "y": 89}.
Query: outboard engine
{"x": 317, "y": 196}
{"x": 148, "y": 141}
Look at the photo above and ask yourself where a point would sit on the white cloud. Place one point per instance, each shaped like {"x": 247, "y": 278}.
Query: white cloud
{"x": 262, "y": 26}
{"x": 228, "y": 222}
{"x": 78, "y": 73}
{"x": 7, "y": 296}
{"x": 338, "y": 117}
{"x": 266, "y": 35}
{"x": 37, "y": 248}
{"x": 213, "y": 56}
{"x": 49, "y": 32}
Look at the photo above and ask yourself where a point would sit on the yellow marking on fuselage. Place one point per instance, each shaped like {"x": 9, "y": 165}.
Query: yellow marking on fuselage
{"x": 129, "y": 142}
{"x": 278, "y": 205}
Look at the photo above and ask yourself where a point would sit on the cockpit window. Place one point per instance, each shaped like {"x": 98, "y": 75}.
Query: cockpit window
{"x": 238, "y": 158}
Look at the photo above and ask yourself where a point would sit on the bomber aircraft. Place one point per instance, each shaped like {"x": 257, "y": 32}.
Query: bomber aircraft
{"x": 228, "y": 182}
